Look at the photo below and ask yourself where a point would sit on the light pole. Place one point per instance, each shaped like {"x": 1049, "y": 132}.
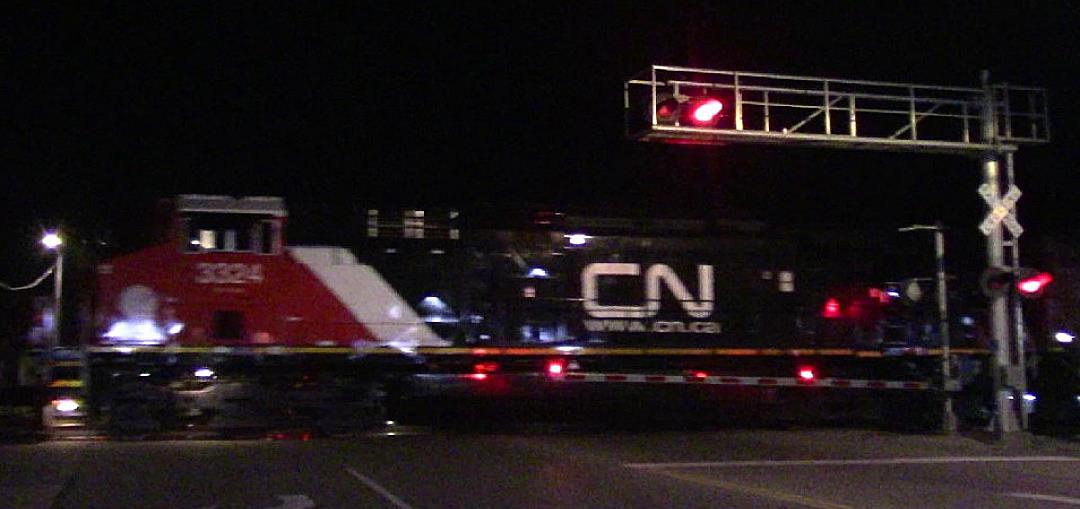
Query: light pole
{"x": 53, "y": 242}
{"x": 948, "y": 418}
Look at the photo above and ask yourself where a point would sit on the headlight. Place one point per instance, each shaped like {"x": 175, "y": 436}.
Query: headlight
{"x": 65, "y": 405}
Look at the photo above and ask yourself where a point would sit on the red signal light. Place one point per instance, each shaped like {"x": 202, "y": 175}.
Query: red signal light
{"x": 667, "y": 110}
{"x": 806, "y": 374}
{"x": 705, "y": 111}
{"x": 831, "y": 309}
{"x": 1034, "y": 285}
{"x": 696, "y": 111}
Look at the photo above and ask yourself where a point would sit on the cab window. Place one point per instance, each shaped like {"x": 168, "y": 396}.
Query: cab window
{"x": 230, "y": 233}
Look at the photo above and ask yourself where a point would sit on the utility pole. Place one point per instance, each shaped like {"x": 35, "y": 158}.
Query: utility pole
{"x": 948, "y": 415}
{"x": 53, "y": 242}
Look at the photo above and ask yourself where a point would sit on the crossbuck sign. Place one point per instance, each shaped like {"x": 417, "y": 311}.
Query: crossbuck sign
{"x": 1001, "y": 211}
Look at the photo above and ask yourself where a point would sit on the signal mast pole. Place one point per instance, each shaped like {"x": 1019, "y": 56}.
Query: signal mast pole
{"x": 1006, "y": 376}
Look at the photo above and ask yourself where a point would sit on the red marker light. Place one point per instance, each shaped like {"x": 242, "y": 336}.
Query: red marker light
{"x": 806, "y": 374}
{"x": 555, "y": 367}
{"x": 477, "y": 376}
{"x": 696, "y": 376}
{"x": 832, "y": 308}
{"x": 879, "y": 295}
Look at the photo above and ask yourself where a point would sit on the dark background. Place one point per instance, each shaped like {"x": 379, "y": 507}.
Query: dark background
{"x": 106, "y": 109}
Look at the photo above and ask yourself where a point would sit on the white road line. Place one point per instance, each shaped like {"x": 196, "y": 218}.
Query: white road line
{"x": 370, "y": 483}
{"x": 883, "y": 461}
{"x": 1045, "y": 498}
{"x": 294, "y": 502}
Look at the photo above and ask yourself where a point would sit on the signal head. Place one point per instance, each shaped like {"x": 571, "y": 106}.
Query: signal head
{"x": 704, "y": 111}
{"x": 667, "y": 111}
{"x": 1032, "y": 284}
{"x": 695, "y": 111}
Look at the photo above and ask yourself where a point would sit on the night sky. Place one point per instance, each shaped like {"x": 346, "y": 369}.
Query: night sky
{"x": 106, "y": 110}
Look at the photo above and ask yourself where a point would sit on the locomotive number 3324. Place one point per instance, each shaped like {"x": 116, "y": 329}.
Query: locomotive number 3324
{"x": 229, "y": 273}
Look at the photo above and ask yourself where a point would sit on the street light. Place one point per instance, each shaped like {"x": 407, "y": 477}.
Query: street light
{"x": 948, "y": 423}
{"x": 53, "y": 242}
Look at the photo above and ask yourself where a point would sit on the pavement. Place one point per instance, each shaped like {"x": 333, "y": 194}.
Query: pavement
{"x": 414, "y": 468}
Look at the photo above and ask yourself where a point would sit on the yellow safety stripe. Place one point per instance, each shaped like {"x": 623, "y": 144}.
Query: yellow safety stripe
{"x": 72, "y": 384}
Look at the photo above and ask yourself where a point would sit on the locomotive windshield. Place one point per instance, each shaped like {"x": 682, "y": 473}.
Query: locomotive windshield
{"x": 243, "y": 233}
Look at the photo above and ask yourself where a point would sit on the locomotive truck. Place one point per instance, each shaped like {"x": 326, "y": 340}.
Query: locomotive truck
{"x": 225, "y": 325}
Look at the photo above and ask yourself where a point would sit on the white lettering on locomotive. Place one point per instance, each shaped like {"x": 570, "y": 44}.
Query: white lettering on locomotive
{"x": 658, "y": 326}
{"x": 229, "y": 273}
{"x": 702, "y": 307}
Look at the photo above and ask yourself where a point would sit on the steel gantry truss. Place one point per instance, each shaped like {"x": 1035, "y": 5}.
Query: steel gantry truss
{"x": 989, "y": 122}
{"x": 838, "y": 113}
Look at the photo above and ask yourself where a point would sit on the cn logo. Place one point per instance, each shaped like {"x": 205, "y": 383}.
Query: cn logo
{"x": 700, "y": 307}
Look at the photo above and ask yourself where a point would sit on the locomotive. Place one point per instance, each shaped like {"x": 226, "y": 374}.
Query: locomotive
{"x": 226, "y": 325}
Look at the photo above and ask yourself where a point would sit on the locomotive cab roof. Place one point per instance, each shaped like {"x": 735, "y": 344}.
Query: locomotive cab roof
{"x": 213, "y": 223}
{"x": 205, "y": 203}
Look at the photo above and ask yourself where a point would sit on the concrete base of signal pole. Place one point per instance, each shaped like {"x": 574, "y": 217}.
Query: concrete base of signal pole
{"x": 949, "y": 422}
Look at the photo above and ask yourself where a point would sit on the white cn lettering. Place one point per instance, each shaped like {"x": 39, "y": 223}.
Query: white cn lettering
{"x": 590, "y": 292}
{"x": 701, "y": 307}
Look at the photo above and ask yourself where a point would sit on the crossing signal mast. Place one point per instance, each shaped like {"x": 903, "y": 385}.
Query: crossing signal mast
{"x": 682, "y": 105}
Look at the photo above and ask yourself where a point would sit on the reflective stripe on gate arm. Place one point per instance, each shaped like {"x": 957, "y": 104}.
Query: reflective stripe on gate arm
{"x": 749, "y": 381}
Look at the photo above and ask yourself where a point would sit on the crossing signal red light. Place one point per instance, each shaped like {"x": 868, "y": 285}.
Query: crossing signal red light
{"x": 1027, "y": 282}
{"x": 995, "y": 281}
{"x": 705, "y": 111}
{"x": 696, "y": 111}
{"x": 1033, "y": 285}
{"x": 807, "y": 374}
{"x": 667, "y": 111}
{"x": 831, "y": 309}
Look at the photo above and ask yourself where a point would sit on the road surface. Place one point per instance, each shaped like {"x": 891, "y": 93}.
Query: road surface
{"x": 419, "y": 468}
